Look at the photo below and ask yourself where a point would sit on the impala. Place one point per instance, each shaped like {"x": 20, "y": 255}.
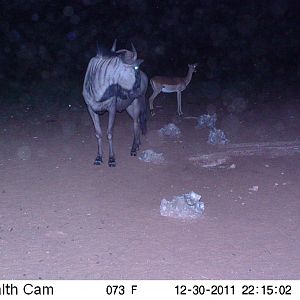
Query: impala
{"x": 171, "y": 85}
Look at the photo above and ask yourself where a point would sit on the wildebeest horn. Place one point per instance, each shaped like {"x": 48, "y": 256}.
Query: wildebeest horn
{"x": 113, "y": 48}
{"x": 126, "y": 55}
{"x": 134, "y": 52}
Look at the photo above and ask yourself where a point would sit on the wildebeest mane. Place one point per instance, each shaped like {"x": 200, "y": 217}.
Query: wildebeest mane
{"x": 105, "y": 52}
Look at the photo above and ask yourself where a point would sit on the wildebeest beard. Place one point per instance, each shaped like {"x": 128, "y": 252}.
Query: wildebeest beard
{"x": 124, "y": 96}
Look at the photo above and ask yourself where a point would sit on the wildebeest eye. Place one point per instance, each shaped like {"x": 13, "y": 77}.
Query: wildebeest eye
{"x": 136, "y": 67}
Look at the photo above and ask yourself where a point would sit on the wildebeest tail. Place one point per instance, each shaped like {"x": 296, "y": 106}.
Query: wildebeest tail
{"x": 143, "y": 115}
{"x": 151, "y": 82}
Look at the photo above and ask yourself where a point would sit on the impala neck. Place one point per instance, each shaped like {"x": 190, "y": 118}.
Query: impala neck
{"x": 189, "y": 75}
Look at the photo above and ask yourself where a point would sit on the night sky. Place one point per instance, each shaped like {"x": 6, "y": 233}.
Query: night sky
{"x": 254, "y": 41}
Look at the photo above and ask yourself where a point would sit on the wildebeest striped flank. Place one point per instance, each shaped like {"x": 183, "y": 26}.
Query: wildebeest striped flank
{"x": 113, "y": 82}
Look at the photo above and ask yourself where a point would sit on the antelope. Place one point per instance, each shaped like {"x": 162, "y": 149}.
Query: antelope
{"x": 171, "y": 85}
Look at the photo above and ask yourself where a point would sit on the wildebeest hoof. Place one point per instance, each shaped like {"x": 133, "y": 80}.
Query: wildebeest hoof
{"x": 152, "y": 112}
{"x": 133, "y": 153}
{"x": 98, "y": 161}
{"x": 111, "y": 162}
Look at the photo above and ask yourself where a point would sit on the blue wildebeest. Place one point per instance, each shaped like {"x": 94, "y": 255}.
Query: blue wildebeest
{"x": 113, "y": 82}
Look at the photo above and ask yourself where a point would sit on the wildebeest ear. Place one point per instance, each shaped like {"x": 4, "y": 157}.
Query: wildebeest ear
{"x": 139, "y": 61}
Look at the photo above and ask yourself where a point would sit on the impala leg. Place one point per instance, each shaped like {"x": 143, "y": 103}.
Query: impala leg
{"x": 96, "y": 120}
{"x": 134, "y": 111}
{"x": 179, "y": 111}
{"x": 111, "y": 121}
{"x": 151, "y": 100}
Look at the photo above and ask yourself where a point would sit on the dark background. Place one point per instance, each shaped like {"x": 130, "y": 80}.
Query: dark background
{"x": 254, "y": 42}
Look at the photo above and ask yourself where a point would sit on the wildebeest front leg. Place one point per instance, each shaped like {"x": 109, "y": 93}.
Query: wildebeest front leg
{"x": 111, "y": 121}
{"x": 134, "y": 111}
{"x": 96, "y": 120}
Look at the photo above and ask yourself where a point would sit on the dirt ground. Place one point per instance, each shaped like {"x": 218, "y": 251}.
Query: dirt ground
{"x": 61, "y": 217}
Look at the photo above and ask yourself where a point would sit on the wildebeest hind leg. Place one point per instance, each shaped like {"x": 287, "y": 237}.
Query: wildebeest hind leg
{"x": 96, "y": 120}
{"x": 134, "y": 111}
{"x": 111, "y": 121}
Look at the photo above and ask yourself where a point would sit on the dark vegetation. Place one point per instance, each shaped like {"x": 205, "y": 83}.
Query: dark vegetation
{"x": 248, "y": 44}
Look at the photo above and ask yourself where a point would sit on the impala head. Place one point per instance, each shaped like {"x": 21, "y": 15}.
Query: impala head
{"x": 193, "y": 67}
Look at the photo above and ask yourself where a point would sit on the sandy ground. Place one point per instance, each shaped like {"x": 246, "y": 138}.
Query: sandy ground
{"x": 61, "y": 217}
